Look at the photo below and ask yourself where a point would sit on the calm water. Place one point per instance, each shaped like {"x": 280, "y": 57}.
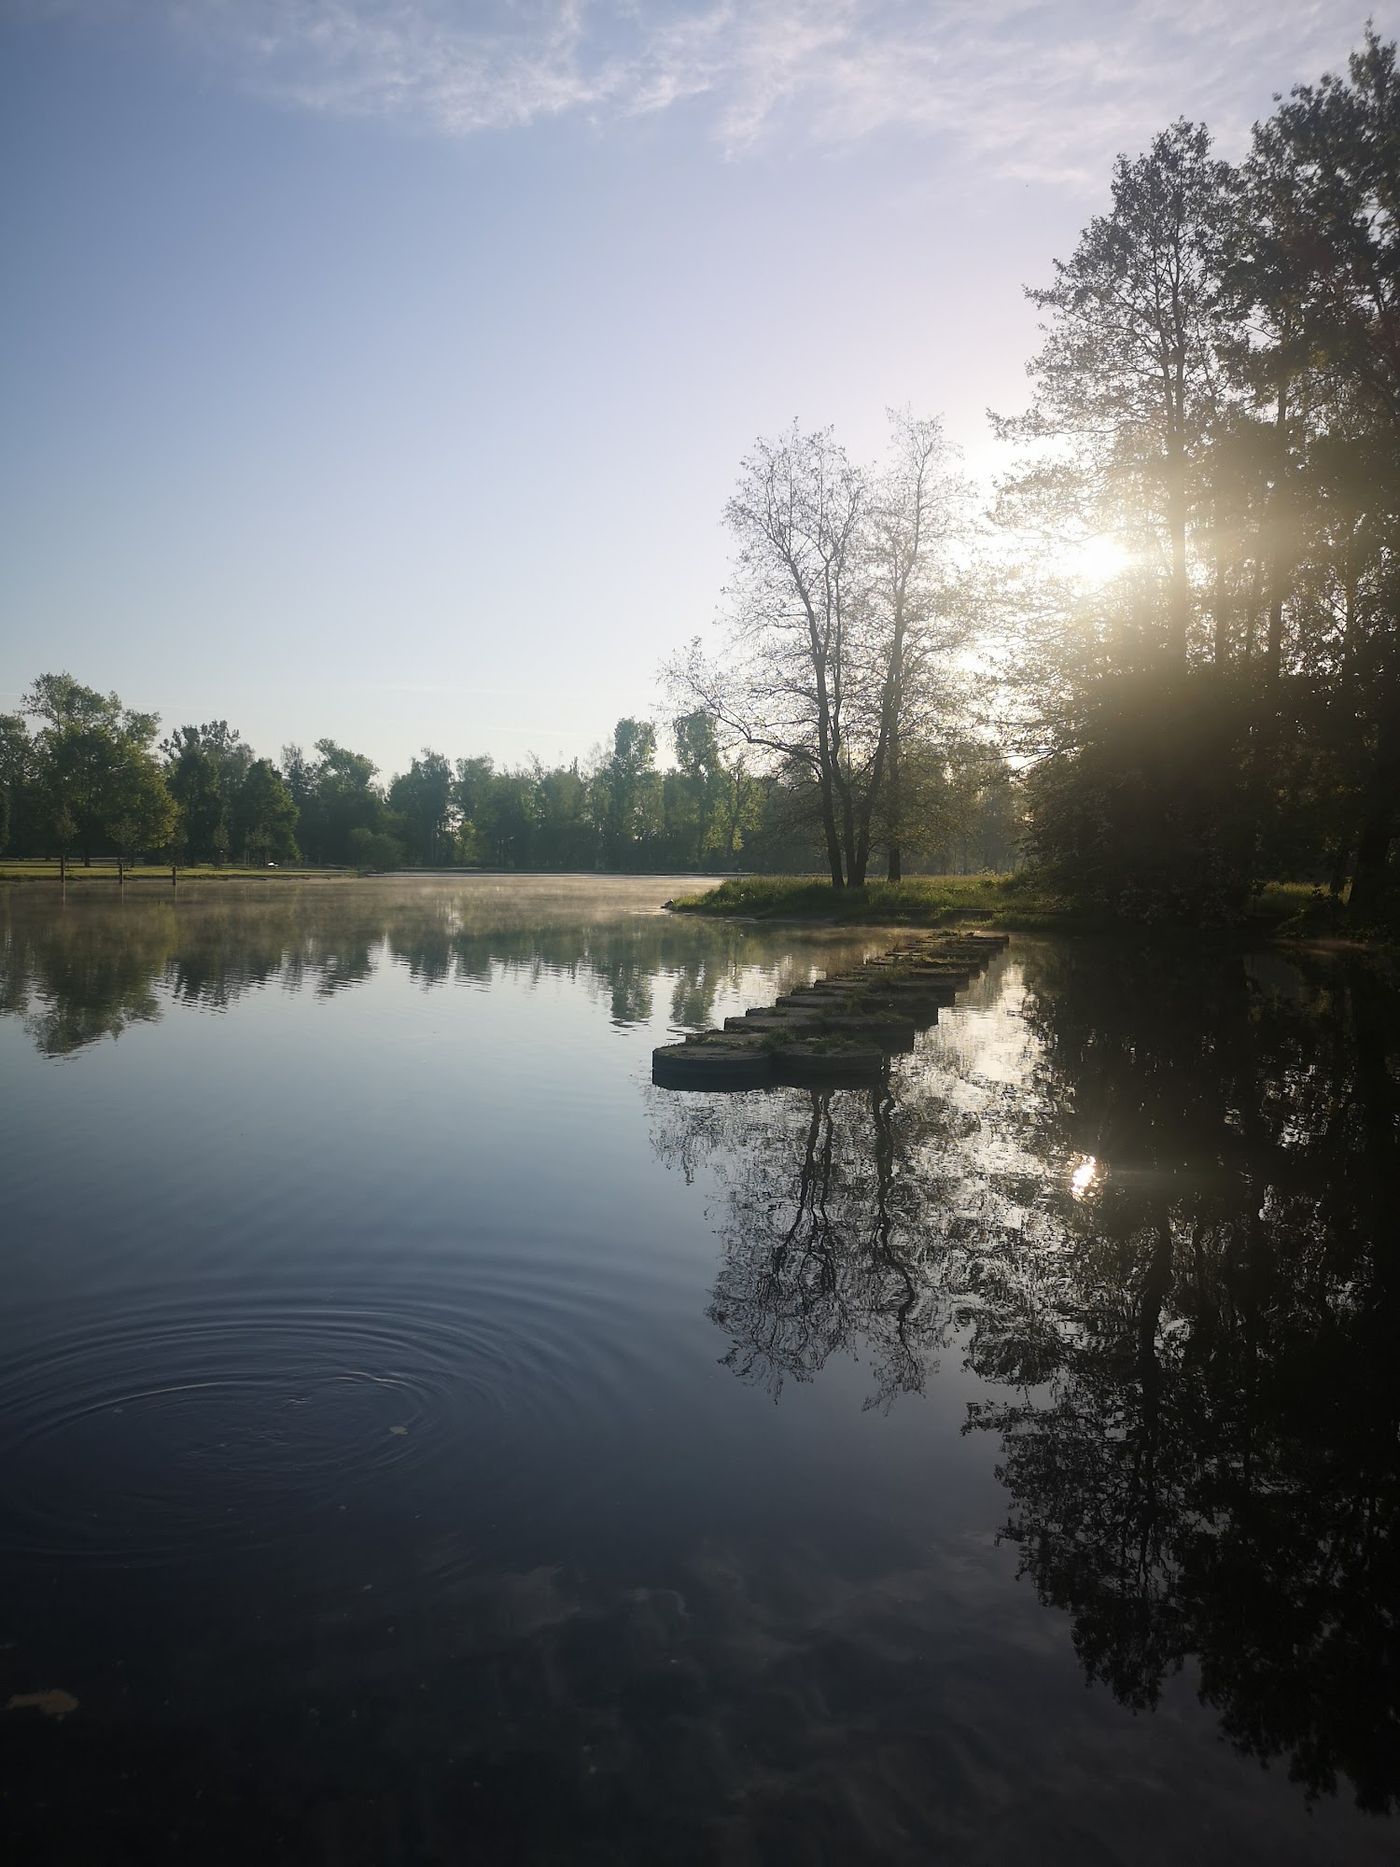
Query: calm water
{"x": 422, "y": 1440}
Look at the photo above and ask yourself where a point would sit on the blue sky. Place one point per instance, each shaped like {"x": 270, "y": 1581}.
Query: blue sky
{"x": 378, "y": 369}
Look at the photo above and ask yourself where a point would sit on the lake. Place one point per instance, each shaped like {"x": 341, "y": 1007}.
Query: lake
{"x": 425, "y": 1440}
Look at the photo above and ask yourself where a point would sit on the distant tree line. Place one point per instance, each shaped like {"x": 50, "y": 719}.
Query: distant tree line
{"x": 82, "y": 775}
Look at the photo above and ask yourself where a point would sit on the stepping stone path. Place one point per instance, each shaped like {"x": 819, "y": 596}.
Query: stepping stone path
{"x": 840, "y": 1030}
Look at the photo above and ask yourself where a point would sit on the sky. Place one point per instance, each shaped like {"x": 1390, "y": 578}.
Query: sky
{"x": 378, "y": 369}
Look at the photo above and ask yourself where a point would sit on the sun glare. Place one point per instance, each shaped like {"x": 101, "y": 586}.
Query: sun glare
{"x": 1097, "y": 560}
{"x": 1086, "y": 1177}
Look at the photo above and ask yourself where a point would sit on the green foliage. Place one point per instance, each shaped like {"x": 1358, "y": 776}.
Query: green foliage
{"x": 628, "y": 792}
{"x": 204, "y": 768}
{"x": 265, "y": 816}
{"x": 16, "y": 759}
{"x": 94, "y": 781}
{"x": 373, "y": 851}
{"x": 1149, "y": 815}
{"x": 140, "y": 812}
{"x": 336, "y": 796}
{"x": 422, "y": 799}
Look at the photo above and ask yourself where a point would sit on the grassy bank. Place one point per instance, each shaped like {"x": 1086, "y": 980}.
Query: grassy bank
{"x": 928, "y": 900}
{"x": 1008, "y": 901}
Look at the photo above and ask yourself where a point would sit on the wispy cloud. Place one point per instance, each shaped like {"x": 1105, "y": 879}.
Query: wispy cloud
{"x": 1044, "y": 89}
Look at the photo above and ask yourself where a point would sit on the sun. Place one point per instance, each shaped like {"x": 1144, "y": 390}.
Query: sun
{"x": 1097, "y": 559}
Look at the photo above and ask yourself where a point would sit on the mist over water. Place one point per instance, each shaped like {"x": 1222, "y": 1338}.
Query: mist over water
{"x": 424, "y": 1439}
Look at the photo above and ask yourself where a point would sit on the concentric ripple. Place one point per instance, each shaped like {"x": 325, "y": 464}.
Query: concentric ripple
{"x": 148, "y": 1437}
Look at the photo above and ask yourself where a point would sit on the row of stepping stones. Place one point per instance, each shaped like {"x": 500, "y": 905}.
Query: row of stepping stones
{"x": 841, "y": 1029}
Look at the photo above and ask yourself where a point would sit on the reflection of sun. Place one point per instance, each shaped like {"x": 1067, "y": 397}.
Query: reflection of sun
{"x": 1098, "y": 559}
{"x": 1085, "y": 1178}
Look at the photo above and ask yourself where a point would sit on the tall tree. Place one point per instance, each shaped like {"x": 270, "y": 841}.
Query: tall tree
{"x": 783, "y": 683}
{"x": 913, "y": 630}
{"x": 701, "y": 785}
{"x": 96, "y": 780}
{"x": 264, "y": 816}
{"x": 629, "y": 792}
{"x": 422, "y": 797}
{"x": 16, "y": 780}
{"x": 1127, "y": 382}
{"x": 200, "y": 791}
{"x": 1330, "y": 156}
{"x": 343, "y": 800}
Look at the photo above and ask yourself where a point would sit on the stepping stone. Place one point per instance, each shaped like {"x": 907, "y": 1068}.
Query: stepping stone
{"x": 829, "y": 1060}
{"x": 840, "y": 1029}
{"x": 878, "y": 1027}
{"x": 713, "y": 1060}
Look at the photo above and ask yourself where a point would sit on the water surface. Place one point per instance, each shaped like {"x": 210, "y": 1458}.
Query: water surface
{"x": 423, "y": 1440}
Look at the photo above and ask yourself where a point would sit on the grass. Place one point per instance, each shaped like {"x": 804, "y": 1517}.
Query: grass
{"x": 1301, "y": 911}
{"x": 1009, "y": 901}
{"x": 925, "y": 900}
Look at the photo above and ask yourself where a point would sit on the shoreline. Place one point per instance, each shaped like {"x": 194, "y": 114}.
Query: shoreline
{"x": 23, "y": 872}
{"x": 1279, "y": 913}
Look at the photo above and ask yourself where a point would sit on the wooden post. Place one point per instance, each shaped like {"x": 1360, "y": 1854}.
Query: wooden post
{"x": 121, "y": 871}
{"x": 62, "y": 869}
{"x": 172, "y": 875}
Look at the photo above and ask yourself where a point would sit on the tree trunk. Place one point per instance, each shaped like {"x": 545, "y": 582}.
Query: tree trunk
{"x": 1370, "y": 883}
{"x": 827, "y": 757}
{"x": 1179, "y": 602}
{"x": 829, "y": 831}
{"x": 894, "y": 870}
{"x": 1341, "y": 856}
{"x": 855, "y": 856}
{"x": 1222, "y": 607}
{"x": 1279, "y": 554}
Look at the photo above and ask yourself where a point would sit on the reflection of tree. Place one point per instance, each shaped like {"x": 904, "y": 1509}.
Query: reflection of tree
{"x": 87, "y": 970}
{"x": 1202, "y": 1444}
{"x": 1203, "y": 1461}
{"x": 821, "y": 1226}
{"x": 84, "y": 969}
{"x": 77, "y": 985}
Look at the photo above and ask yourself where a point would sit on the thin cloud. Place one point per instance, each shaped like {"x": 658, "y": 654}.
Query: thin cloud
{"x": 1027, "y": 89}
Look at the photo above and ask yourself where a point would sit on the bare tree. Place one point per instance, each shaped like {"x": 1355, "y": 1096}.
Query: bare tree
{"x": 912, "y": 626}
{"x": 836, "y": 614}
{"x": 784, "y": 681}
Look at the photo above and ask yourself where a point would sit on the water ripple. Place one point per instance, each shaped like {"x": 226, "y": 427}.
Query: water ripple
{"x": 152, "y": 1436}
